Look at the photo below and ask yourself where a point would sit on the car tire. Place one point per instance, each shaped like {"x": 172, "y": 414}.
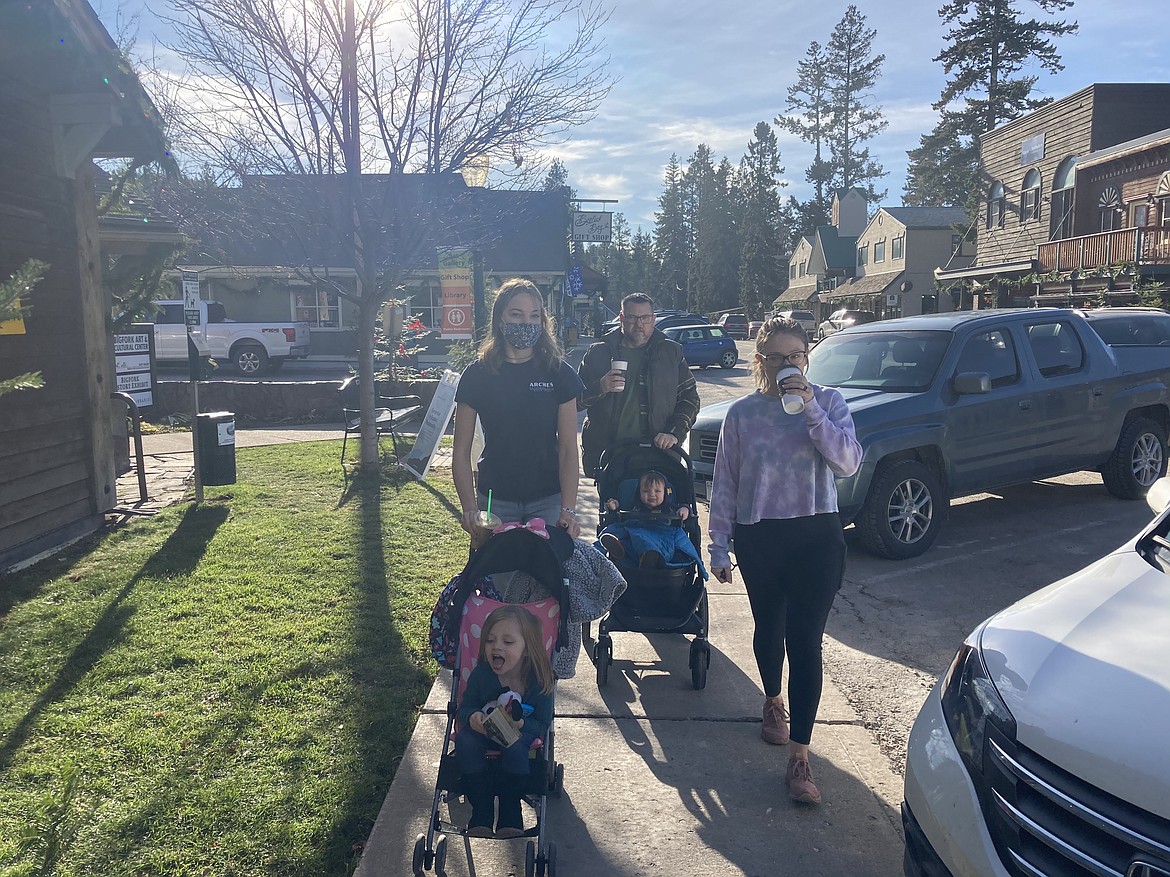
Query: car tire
{"x": 1138, "y": 460}
{"x": 728, "y": 358}
{"x": 250, "y": 359}
{"x": 903, "y": 511}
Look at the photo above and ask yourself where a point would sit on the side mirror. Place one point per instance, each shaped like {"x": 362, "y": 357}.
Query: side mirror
{"x": 1158, "y": 496}
{"x": 972, "y": 383}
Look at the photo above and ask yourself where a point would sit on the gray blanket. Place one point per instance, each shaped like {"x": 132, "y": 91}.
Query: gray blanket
{"x": 594, "y": 586}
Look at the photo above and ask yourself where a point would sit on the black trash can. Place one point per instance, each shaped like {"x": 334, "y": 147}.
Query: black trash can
{"x": 215, "y": 433}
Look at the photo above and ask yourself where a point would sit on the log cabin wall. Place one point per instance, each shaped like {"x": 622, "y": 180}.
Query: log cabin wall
{"x": 48, "y": 479}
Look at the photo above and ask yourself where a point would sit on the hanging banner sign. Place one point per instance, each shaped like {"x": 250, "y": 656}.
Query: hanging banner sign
{"x": 455, "y": 283}
{"x": 592, "y": 227}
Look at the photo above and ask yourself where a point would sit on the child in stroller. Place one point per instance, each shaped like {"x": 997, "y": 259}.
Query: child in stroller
{"x": 648, "y": 534}
{"x": 512, "y": 661}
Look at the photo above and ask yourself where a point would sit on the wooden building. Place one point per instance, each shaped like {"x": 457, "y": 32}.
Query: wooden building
{"x": 66, "y": 97}
{"x": 277, "y": 248}
{"x": 1060, "y": 184}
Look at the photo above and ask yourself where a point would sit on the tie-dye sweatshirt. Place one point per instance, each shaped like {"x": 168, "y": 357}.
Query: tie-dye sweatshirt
{"x": 776, "y": 465}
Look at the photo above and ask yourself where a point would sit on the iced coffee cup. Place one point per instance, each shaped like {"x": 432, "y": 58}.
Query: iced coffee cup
{"x": 485, "y": 522}
{"x": 620, "y": 365}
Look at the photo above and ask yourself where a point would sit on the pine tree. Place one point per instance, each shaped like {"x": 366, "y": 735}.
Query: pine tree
{"x": 762, "y": 233}
{"x": 672, "y": 247}
{"x": 852, "y": 71}
{"x": 989, "y": 42}
{"x": 714, "y": 274}
{"x": 809, "y": 96}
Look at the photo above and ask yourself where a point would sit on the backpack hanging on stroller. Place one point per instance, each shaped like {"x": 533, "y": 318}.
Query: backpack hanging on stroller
{"x": 669, "y": 600}
{"x": 516, "y": 550}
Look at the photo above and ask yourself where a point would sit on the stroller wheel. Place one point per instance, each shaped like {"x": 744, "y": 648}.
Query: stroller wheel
{"x": 441, "y": 856}
{"x": 700, "y": 661}
{"x": 558, "y": 783}
{"x": 603, "y": 657}
{"x": 550, "y": 860}
{"x": 530, "y": 859}
{"x": 420, "y": 851}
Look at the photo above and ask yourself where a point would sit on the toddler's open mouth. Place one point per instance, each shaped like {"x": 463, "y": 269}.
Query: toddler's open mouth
{"x": 497, "y": 660}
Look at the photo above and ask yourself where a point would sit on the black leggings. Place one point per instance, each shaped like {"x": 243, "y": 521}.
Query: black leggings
{"x": 792, "y": 570}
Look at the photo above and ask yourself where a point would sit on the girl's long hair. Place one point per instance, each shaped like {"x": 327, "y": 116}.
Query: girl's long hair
{"x": 547, "y": 350}
{"x": 535, "y": 657}
{"x": 774, "y": 326}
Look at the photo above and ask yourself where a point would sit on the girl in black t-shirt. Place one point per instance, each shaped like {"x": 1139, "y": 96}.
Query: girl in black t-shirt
{"x": 525, "y": 397}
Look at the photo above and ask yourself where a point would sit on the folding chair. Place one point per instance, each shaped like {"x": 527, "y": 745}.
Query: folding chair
{"x": 390, "y": 414}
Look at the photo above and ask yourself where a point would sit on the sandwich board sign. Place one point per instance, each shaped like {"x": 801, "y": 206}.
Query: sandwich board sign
{"x": 434, "y": 424}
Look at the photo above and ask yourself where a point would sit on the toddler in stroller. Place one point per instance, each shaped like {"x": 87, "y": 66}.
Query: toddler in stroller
{"x": 648, "y": 533}
{"x": 655, "y": 546}
{"x": 513, "y": 673}
{"x": 500, "y": 734}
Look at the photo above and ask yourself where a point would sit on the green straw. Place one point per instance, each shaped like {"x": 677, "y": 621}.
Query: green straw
{"x": 489, "y": 508}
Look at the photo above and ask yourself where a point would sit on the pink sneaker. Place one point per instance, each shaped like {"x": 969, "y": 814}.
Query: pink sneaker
{"x": 774, "y": 730}
{"x": 801, "y": 787}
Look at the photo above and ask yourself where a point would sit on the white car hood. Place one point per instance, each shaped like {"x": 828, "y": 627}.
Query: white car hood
{"x": 1084, "y": 667}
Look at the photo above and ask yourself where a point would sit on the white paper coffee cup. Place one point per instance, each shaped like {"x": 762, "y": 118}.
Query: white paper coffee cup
{"x": 793, "y": 403}
{"x": 620, "y": 365}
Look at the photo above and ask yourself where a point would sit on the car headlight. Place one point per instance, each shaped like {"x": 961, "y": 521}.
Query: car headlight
{"x": 972, "y": 706}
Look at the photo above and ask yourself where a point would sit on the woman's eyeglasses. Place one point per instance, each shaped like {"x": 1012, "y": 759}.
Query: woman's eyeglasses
{"x": 800, "y": 357}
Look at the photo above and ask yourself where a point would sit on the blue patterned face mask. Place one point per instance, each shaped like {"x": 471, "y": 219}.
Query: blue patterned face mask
{"x": 522, "y": 335}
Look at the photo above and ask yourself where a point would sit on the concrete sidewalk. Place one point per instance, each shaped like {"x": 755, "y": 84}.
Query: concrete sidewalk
{"x": 663, "y": 779}
{"x": 659, "y": 778}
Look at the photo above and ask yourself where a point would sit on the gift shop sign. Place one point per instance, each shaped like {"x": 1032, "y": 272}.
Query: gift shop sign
{"x": 455, "y": 283}
{"x": 591, "y": 226}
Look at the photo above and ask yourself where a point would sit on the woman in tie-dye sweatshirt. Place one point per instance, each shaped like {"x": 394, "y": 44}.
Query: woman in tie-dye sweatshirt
{"x": 774, "y": 505}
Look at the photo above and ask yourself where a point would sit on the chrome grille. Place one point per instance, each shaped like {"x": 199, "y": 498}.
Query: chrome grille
{"x": 706, "y": 443}
{"x": 1048, "y": 823}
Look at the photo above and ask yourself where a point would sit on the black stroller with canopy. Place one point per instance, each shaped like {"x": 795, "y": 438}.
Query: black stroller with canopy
{"x": 518, "y": 550}
{"x": 666, "y": 600}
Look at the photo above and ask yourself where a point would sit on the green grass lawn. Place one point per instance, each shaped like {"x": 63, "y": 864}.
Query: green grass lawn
{"x": 222, "y": 690}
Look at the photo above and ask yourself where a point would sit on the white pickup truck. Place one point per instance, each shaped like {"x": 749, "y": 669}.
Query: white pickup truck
{"x": 253, "y": 348}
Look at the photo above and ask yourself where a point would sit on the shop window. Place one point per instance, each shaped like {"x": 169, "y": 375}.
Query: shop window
{"x": 863, "y": 255}
{"x": 996, "y": 206}
{"x": 317, "y": 307}
{"x": 897, "y": 247}
{"x": 1030, "y": 197}
{"x": 1061, "y": 203}
{"x": 879, "y": 251}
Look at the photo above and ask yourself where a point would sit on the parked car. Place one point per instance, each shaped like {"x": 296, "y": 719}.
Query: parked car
{"x": 843, "y": 319}
{"x": 253, "y": 348}
{"x": 735, "y": 325}
{"x": 948, "y": 405}
{"x": 666, "y": 319}
{"x": 807, "y": 320}
{"x": 754, "y": 327}
{"x": 1042, "y": 750}
{"x": 1130, "y": 327}
{"x": 705, "y": 345}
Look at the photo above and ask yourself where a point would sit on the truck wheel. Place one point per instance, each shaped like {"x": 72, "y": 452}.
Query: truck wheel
{"x": 250, "y": 359}
{"x": 903, "y": 511}
{"x": 1138, "y": 460}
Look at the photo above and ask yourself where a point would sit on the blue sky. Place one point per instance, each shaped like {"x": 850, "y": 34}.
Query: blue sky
{"x": 694, "y": 71}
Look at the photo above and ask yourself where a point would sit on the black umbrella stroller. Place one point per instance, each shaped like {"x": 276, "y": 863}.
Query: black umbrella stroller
{"x": 668, "y": 600}
{"x": 517, "y": 550}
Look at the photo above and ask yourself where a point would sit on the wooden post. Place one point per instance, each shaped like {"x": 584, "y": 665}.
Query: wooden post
{"x": 96, "y": 344}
